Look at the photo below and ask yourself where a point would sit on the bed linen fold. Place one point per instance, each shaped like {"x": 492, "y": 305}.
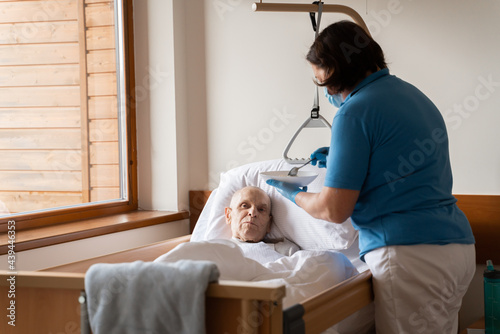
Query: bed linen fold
{"x": 304, "y": 274}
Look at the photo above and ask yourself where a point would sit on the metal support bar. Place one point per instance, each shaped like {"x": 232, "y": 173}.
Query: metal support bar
{"x": 297, "y": 7}
{"x": 84, "y": 314}
{"x": 310, "y": 122}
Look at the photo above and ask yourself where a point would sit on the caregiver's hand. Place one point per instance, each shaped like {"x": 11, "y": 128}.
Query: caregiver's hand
{"x": 319, "y": 157}
{"x": 288, "y": 190}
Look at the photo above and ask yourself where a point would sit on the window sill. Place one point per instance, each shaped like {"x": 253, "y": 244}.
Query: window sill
{"x": 87, "y": 228}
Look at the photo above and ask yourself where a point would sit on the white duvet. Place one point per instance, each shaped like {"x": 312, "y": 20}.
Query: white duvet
{"x": 304, "y": 274}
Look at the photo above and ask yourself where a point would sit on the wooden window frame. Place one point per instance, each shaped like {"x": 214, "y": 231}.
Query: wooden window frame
{"x": 88, "y": 211}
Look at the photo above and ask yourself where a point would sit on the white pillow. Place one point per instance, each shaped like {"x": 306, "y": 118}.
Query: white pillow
{"x": 290, "y": 221}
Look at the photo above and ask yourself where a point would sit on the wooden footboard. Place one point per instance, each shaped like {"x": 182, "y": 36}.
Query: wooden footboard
{"x": 337, "y": 303}
{"x": 318, "y": 313}
{"x": 41, "y": 302}
{"x": 48, "y": 302}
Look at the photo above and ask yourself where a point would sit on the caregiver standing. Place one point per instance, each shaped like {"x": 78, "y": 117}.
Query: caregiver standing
{"x": 388, "y": 168}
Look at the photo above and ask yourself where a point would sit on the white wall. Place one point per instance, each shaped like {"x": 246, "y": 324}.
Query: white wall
{"x": 220, "y": 85}
{"x": 161, "y": 104}
{"x": 259, "y": 89}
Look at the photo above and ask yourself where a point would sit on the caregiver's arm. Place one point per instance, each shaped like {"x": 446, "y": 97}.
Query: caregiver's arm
{"x": 331, "y": 204}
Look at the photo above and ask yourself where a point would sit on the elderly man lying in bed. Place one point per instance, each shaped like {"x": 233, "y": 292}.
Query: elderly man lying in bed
{"x": 250, "y": 218}
{"x": 250, "y": 256}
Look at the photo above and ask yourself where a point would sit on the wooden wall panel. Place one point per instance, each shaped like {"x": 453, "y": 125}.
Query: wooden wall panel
{"x": 47, "y": 160}
{"x": 33, "y": 139}
{"x": 100, "y": 38}
{"x": 37, "y": 11}
{"x": 103, "y": 130}
{"x": 58, "y": 112}
{"x": 99, "y": 61}
{"x": 61, "y": 96}
{"x": 68, "y": 117}
{"x": 22, "y": 201}
{"x": 104, "y": 176}
{"x": 88, "y": 2}
{"x": 41, "y": 75}
{"x": 102, "y": 84}
{"x": 41, "y": 181}
{"x": 39, "y": 54}
{"x": 82, "y": 42}
{"x": 40, "y": 121}
{"x": 103, "y": 107}
{"x": 103, "y": 153}
{"x": 50, "y": 32}
{"x": 100, "y": 14}
{"x": 105, "y": 193}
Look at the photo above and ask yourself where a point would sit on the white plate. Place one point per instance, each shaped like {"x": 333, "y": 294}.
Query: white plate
{"x": 302, "y": 179}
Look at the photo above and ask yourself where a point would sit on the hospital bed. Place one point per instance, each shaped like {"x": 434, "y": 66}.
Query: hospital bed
{"x": 48, "y": 301}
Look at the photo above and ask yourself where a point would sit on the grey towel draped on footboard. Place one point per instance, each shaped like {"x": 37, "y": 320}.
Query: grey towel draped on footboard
{"x": 148, "y": 297}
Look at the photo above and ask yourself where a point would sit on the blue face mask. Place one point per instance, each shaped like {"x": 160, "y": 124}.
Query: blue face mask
{"x": 335, "y": 100}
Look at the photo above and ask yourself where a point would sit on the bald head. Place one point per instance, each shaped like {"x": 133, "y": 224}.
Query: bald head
{"x": 249, "y": 214}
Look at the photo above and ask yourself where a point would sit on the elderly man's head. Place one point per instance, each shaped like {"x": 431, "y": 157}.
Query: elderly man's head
{"x": 249, "y": 214}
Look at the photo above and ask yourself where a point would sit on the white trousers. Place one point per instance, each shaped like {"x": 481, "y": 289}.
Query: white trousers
{"x": 419, "y": 288}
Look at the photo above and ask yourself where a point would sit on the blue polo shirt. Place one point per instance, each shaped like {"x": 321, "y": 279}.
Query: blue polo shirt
{"x": 389, "y": 141}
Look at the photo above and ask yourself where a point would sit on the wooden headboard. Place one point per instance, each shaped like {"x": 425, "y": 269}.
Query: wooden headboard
{"x": 483, "y": 212}
{"x": 197, "y": 200}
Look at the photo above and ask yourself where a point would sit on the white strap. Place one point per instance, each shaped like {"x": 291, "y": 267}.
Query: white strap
{"x": 316, "y": 90}
{"x": 315, "y": 120}
{"x": 320, "y": 11}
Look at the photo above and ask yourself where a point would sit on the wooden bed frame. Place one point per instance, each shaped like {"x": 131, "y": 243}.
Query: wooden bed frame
{"x": 48, "y": 301}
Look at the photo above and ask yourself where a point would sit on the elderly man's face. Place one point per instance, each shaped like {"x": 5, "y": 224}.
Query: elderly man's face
{"x": 249, "y": 214}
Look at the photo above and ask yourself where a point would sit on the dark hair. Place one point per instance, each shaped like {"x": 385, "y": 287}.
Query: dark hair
{"x": 346, "y": 53}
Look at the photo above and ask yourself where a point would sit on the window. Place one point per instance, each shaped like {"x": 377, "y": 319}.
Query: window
{"x": 67, "y": 132}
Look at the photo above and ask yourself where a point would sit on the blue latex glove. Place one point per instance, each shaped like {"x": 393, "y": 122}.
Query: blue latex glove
{"x": 319, "y": 157}
{"x": 288, "y": 190}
